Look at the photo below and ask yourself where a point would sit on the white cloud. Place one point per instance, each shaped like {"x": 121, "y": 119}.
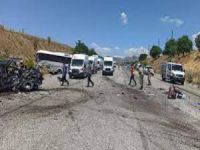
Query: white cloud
{"x": 124, "y": 18}
{"x": 117, "y": 48}
{"x": 101, "y": 50}
{"x": 176, "y": 21}
{"x": 193, "y": 39}
{"x": 136, "y": 51}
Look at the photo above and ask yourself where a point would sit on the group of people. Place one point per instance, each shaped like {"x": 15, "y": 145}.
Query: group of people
{"x": 141, "y": 75}
{"x": 65, "y": 73}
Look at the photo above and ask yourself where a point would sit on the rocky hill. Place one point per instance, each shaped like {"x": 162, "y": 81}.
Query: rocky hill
{"x": 19, "y": 44}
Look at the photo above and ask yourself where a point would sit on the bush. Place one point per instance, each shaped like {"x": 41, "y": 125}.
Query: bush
{"x": 189, "y": 76}
{"x": 155, "y": 51}
{"x": 184, "y": 45}
{"x": 170, "y": 48}
{"x": 142, "y": 57}
{"x": 197, "y": 42}
{"x": 30, "y": 63}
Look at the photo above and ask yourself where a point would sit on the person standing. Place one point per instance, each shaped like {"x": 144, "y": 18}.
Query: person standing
{"x": 141, "y": 76}
{"x": 132, "y": 77}
{"x": 150, "y": 73}
{"x": 64, "y": 74}
{"x": 89, "y": 75}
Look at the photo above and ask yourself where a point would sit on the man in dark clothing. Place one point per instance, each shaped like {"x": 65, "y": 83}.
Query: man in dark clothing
{"x": 132, "y": 75}
{"x": 64, "y": 74}
{"x": 89, "y": 75}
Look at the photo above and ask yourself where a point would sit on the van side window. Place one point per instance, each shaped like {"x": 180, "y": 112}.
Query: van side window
{"x": 169, "y": 67}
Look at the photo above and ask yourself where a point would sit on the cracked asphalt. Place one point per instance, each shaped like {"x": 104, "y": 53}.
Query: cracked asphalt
{"x": 109, "y": 116}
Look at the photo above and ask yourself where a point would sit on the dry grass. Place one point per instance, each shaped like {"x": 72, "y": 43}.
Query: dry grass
{"x": 22, "y": 45}
{"x": 191, "y": 63}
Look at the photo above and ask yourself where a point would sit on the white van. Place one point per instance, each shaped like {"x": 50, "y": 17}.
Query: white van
{"x": 173, "y": 72}
{"x": 93, "y": 61}
{"x": 78, "y": 66}
{"x": 100, "y": 63}
{"x": 108, "y": 66}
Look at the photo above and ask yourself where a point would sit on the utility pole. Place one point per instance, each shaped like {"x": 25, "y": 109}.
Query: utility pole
{"x": 172, "y": 34}
{"x": 158, "y": 42}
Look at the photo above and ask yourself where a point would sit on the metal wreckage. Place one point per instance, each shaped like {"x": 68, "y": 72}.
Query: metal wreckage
{"x": 15, "y": 78}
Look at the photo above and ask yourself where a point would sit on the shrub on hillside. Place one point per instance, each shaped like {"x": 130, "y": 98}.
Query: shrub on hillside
{"x": 30, "y": 63}
{"x": 155, "y": 51}
{"x": 142, "y": 57}
{"x": 184, "y": 45}
{"x": 197, "y": 42}
{"x": 170, "y": 48}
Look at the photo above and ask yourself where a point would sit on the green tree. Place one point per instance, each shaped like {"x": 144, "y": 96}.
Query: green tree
{"x": 92, "y": 52}
{"x": 184, "y": 45}
{"x": 197, "y": 42}
{"x": 170, "y": 47}
{"x": 155, "y": 51}
{"x": 142, "y": 57}
{"x": 80, "y": 48}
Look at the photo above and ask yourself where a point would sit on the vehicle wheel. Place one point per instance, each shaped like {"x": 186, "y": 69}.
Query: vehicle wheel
{"x": 28, "y": 86}
{"x": 112, "y": 74}
{"x": 59, "y": 71}
{"x": 36, "y": 87}
{"x": 182, "y": 83}
{"x": 163, "y": 78}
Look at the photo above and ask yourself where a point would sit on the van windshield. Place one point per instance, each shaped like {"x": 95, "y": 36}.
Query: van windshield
{"x": 77, "y": 62}
{"x": 177, "y": 67}
{"x": 108, "y": 63}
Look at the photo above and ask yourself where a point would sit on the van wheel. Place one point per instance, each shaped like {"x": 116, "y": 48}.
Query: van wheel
{"x": 182, "y": 83}
{"x": 163, "y": 78}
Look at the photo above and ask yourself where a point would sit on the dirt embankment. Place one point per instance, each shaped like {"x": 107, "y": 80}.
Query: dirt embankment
{"x": 23, "y": 45}
{"x": 191, "y": 63}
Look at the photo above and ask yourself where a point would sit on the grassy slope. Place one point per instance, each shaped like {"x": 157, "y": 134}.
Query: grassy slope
{"x": 190, "y": 61}
{"x": 22, "y": 45}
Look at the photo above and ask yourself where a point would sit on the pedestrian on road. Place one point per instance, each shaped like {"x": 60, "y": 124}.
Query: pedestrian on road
{"x": 89, "y": 75}
{"x": 64, "y": 74}
{"x": 141, "y": 76}
{"x": 150, "y": 73}
{"x": 132, "y": 77}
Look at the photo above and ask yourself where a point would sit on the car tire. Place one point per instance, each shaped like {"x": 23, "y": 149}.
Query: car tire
{"x": 28, "y": 86}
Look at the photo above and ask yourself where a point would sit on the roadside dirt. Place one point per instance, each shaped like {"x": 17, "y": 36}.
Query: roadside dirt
{"x": 109, "y": 116}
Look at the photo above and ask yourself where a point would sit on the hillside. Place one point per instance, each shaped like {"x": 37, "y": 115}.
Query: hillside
{"x": 191, "y": 63}
{"x": 22, "y": 45}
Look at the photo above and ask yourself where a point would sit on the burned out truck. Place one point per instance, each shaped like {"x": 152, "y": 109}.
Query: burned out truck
{"x": 14, "y": 78}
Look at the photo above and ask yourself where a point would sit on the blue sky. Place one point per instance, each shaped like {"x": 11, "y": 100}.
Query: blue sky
{"x": 115, "y": 27}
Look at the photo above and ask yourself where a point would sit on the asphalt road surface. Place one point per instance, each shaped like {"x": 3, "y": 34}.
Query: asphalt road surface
{"x": 108, "y": 116}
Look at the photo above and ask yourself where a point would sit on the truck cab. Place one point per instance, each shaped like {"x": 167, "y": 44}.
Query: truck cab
{"x": 108, "y": 66}
{"x": 173, "y": 72}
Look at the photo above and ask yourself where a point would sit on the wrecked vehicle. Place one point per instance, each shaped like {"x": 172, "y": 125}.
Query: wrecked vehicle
{"x": 14, "y": 78}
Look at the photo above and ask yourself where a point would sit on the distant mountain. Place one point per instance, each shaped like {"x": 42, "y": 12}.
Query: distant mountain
{"x": 131, "y": 59}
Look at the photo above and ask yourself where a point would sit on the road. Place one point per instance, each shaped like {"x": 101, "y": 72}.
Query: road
{"x": 109, "y": 116}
